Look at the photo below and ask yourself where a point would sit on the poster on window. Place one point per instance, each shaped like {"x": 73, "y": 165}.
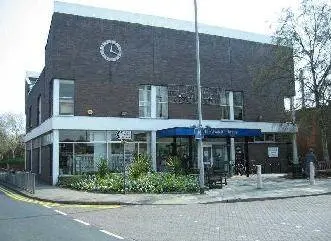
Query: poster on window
{"x": 273, "y": 151}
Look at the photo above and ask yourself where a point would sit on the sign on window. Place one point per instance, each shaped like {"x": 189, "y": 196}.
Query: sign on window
{"x": 124, "y": 135}
{"x": 273, "y": 151}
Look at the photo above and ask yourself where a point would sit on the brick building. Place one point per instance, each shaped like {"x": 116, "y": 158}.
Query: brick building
{"x": 110, "y": 75}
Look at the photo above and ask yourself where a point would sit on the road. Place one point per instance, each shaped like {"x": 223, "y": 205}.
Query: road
{"x": 305, "y": 218}
{"x": 21, "y": 220}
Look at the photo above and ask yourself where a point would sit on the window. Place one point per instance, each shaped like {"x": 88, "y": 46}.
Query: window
{"x": 238, "y": 105}
{"x": 29, "y": 117}
{"x": 145, "y": 101}
{"x": 232, "y": 105}
{"x": 266, "y": 137}
{"x": 66, "y": 97}
{"x": 153, "y": 101}
{"x": 39, "y": 110}
{"x": 50, "y": 99}
{"x": 161, "y": 102}
{"x": 225, "y": 105}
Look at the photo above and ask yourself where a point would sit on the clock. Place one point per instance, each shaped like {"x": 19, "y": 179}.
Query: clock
{"x": 111, "y": 50}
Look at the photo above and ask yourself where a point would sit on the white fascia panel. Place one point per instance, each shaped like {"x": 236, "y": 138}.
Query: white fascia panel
{"x": 46, "y": 126}
{"x": 149, "y": 124}
{"x": 146, "y": 124}
{"x": 149, "y": 20}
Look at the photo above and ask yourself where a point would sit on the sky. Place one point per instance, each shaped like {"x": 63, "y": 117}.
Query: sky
{"x": 24, "y": 26}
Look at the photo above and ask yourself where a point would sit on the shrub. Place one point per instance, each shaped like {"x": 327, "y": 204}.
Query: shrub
{"x": 140, "y": 165}
{"x": 103, "y": 168}
{"x": 147, "y": 183}
{"x": 66, "y": 181}
{"x": 174, "y": 164}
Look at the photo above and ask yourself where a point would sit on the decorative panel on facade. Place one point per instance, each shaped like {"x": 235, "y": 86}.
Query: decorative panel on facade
{"x": 187, "y": 94}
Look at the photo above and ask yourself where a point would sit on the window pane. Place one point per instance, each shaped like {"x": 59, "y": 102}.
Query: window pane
{"x": 115, "y": 156}
{"x": 66, "y": 107}
{"x": 71, "y": 136}
{"x": 270, "y": 137}
{"x": 237, "y": 99}
{"x": 140, "y": 136}
{"x": 145, "y": 111}
{"x": 161, "y": 102}
{"x": 97, "y": 135}
{"x": 259, "y": 138}
{"x": 238, "y": 113}
{"x": 67, "y": 89}
{"x": 145, "y": 101}
{"x": 143, "y": 148}
{"x": 224, "y": 99}
{"x": 225, "y": 112}
{"x": 84, "y": 158}
{"x": 162, "y": 110}
{"x": 66, "y": 158}
{"x": 161, "y": 94}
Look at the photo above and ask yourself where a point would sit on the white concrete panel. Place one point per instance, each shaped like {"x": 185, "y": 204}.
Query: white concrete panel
{"x": 55, "y": 159}
{"x": 147, "y": 124}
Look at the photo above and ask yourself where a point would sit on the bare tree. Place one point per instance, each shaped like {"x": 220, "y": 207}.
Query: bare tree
{"x": 11, "y": 131}
{"x": 308, "y": 32}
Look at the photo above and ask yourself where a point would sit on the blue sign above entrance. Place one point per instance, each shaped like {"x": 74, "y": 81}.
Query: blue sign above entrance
{"x": 227, "y": 132}
{"x": 208, "y": 132}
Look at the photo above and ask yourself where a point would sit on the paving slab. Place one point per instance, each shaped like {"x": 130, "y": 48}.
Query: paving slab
{"x": 239, "y": 188}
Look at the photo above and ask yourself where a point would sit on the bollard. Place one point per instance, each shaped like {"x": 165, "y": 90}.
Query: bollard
{"x": 259, "y": 177}
{"x": 312, "y": 173}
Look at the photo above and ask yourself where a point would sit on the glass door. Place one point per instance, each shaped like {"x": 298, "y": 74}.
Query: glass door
{"x": 221, "y": 157}
{"x": 207, "y": 155}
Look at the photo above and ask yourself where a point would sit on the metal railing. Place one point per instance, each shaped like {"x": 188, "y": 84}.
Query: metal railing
{"x": 23, "y": 180}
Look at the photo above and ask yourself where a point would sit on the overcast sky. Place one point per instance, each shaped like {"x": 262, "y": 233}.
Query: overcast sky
{"x": 24, "y": 26}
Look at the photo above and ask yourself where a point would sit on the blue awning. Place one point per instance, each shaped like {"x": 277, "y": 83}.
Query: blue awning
{"x": 208, "y": 132}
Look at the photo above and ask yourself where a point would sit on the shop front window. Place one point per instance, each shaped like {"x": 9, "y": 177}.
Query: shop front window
{"x": 66, "y": 165}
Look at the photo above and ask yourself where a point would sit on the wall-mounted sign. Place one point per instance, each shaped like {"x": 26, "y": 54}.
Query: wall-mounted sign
{"x": 111, "y": 50}
{"x": 272, "y": 151}
{"x": 124, "y": 135}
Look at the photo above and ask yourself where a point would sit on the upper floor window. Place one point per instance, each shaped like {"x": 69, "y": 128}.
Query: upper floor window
{"x": 232, "y": 105}
{"x": 145, "y": 101}
{"x": 238, "y": 105}
{"x": 225, "y": 105}
{"x": 29, "y": 117}
{"x": 39, "y": 110}
{"x": 66, "y": 97}
{"x": 161, "y": 101}
{"x": 153, "y": 101}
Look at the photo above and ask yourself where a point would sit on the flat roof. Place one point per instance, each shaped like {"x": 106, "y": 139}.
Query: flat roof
{"x": 149, "y": 20}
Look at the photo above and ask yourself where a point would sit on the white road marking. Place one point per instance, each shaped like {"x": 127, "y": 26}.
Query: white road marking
{"x": 111, "y": 234}
{"x": 298, "y": 226}
{"x": 46, "y": 206}
{"x": 316, "y": 230}
{"x": 82, "y": 222}
{"x": 60, "y": 212}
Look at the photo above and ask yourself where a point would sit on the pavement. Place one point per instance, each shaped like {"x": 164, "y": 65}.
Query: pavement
{"x": 238, "y": 189}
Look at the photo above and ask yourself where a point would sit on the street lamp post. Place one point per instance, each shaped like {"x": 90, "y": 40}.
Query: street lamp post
{"x": 197, "y": 54}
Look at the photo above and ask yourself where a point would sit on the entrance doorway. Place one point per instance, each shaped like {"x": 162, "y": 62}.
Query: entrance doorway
{"x": 216, "y": 155}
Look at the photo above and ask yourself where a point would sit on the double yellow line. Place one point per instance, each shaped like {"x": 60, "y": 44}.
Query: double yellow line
{"x": 21, "y": 198}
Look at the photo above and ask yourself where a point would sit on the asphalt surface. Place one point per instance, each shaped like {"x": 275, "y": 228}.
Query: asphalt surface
{"x": 21, "y": 220}
{"x": 302, "y": 218}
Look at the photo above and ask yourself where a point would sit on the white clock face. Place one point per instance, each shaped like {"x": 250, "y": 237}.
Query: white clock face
{"x": 111, "y": 50}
